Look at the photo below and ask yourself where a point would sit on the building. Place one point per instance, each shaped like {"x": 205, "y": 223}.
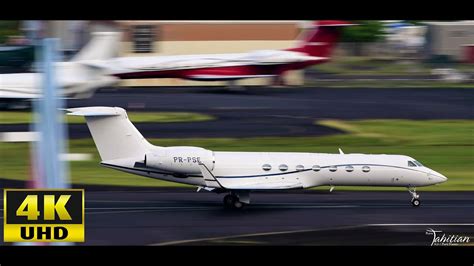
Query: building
{"x": 449, "y": 39}
{"x": 155, "y": 38}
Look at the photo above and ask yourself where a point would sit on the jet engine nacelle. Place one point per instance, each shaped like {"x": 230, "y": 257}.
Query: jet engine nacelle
{"x": 181, "y": 160}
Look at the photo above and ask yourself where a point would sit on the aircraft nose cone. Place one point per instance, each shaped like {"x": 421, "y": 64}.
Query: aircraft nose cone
{"x": 443, "y": 178}
{"x": 438, "y": 178}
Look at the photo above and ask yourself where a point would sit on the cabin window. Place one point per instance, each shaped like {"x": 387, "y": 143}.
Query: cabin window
{"x": 365, "y": 169}
{"x": 349, "y": 168}
{"x": 283, "y": 167}
{"x": 266, "y": 167}
{"x": 333, "y": 168}
{"x": 316, "y": 168}
{"x": 299, "y": 167}
{"x": 411, "y": 164}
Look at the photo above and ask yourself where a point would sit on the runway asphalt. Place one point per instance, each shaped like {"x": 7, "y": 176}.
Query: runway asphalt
{"x": 263, "y": 111}
{"x": 222, "y": 127}
{"x": 294, "y": 103}
{"x": 185, "y": 217}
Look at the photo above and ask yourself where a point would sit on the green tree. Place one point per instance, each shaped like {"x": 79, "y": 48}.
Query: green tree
{"x": 8, "y": 28}
{"x": 365, "y": 31}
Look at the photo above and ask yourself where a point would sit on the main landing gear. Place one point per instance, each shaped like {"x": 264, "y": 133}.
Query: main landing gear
{"x": 231, "y": 201}
{"x": 233, "y": 86}
{"x": 279, "y": 81}
{"x": 237, "y": 199}
{"x": 415, "y": 197}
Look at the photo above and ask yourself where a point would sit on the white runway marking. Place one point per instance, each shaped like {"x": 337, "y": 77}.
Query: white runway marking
{"x": 239, "y": 108}
{"x": 250, "y": 235}
{"x": 19, "y": 136}
{"x": 125, "y": 201}
{"x": 370, "y": 205}
{"x": 220, "y": 207}
{"x": 146, "y": 208}
{"x": 454, "y": 224}
{"x": 300, "y": 231}
{"x": 114, "y": 212}
{"x": 307, "y": 206}
{"x": 76, "y": 157}
{"x": 275, "y": 206}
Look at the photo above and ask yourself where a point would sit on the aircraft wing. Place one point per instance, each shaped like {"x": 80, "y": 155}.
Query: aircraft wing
{"x": 96, "y": 64}
{"x": 209, "y": 178}
{"x": 266, "y": 186}
{"x": 17, "y": 95}
{"x": 213, "y": 182}
{"x": 19, "y": 86}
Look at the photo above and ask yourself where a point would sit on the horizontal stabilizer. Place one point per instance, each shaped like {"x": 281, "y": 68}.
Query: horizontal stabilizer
{"x": 93, "y": 111}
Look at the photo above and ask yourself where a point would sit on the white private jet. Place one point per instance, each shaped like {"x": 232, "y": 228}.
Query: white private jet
{"x": 78, "y": 78}
{"x": 122, "y": 147}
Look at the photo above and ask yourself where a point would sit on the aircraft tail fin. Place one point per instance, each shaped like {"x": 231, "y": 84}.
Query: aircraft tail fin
{"x": 103, "y": 45}
{"x": 114, "y": 135}
{"x": 321, "y": 38}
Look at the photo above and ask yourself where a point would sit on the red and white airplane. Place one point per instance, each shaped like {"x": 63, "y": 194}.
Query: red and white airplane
{"x": 315, "y": 47}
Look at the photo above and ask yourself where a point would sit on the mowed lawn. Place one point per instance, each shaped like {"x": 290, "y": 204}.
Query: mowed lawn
{"x": 18, "y": 117}
{"x": 446, "y": 146}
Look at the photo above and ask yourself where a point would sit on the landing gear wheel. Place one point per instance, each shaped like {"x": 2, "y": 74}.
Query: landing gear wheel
{"x": 232, "y": 202}
{"x": 238, "y": 205}
{"x": 415, "y": 202}
{"x": 415, "y": 197}
{"x": 228, "y": 201}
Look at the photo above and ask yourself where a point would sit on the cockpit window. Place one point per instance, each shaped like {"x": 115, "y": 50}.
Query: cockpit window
{"x": 414, "y": 164}
{"x": 418, "y": 163}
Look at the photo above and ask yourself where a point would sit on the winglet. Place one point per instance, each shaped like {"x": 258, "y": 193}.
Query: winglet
{"x": 340, "y": 151}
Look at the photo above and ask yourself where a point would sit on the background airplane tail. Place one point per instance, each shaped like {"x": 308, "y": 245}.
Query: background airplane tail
{"x": 103, "y": 45}
{"x": 114, "y": 135}
{"x": 321, "y": 38}
{"x": 86, "y": 69}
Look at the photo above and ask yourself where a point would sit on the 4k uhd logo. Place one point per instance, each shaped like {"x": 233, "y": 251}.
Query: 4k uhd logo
{"x": 35, "y": 215}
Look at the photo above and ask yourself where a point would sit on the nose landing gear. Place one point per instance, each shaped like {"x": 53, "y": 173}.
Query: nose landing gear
{"x": 415, "y": 197}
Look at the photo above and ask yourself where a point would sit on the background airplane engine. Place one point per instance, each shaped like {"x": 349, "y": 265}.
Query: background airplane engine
{"x": 181, "y": 160}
